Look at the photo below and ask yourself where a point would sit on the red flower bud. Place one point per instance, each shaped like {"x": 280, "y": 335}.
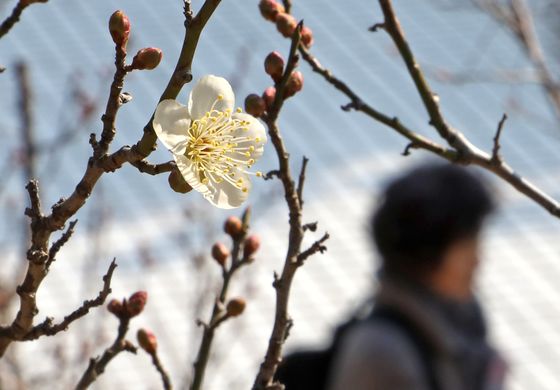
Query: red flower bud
{"x": 116, "y": 307}
{"x": 136, "y": 303}
{"x": 251, "y": 246}
{"x": 270, "y": 9}
{"x": 177, "y": 182}
{"x": 147, "y": 58}
{"x": 220, "y": 253}
{"x": 306, "y": 36}
{"x": 255, "y": 105}
{"x": 235, "y": 307}
{"x": 269, "y": 95}
{"x": 274, "y": 65}
{"x": 147, "y": 340}
{"x": 233, "y": 226}
{"x": 286, "y": 24}
{"x": 294, "y": 84}
{"x": 119, "y": 27}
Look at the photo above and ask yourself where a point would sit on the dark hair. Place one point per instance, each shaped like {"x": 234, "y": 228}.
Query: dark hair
{"x": 422, "y": 212}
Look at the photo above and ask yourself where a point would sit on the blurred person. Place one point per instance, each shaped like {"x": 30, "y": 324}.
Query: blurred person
{"x": 427, "y": 330}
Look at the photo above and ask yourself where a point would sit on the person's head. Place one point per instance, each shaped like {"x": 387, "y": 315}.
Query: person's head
{"x": 427, "y": 227}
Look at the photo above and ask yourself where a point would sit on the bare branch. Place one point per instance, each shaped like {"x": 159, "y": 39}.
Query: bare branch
{"x": 182, "y": 73}
{"x": 219, "y": 315}
{"x": 165, "y": 379}
{"x": 58, "y": 244}
{"x": 301, "y": 179}
{"x": 153, "y": 169}
{"x": 97, "y": 365}
{"x": 466, "y": 154}
{"x": 113, "y": 103}
{"x": 11, "y": 20}
{"x": 518, "y": 17}
{"x": 316, "y": 247}
{"x": 25, "y": 109}
{"x": 46, "y": 328}
{"x": 292, "y": 195}
{"x": 496, "y": 156}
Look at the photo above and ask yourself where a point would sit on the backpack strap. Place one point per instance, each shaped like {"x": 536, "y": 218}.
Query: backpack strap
{"x": 425, "y": 351}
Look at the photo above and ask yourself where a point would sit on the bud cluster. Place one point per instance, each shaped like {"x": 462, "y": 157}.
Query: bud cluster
{"x": 128, "y": 308}
{"x": 273, "y": 66}
{"x": 286, "y": 24}
{"x": 119, "y": 28}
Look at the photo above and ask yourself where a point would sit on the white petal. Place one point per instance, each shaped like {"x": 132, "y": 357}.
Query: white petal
{"x": 255, "y": 131}
{"x": 171, "y": 123}
{"x": 227, "y": 195}
{"x": 205, "y": 93}
{"x": 191, "y": 175}
{"x": 223, "y": 195}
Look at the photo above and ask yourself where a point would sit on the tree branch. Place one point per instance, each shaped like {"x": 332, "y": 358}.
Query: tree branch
{"x": 11, "y": 20}
{"x": 467, "y": 154}
{"x": 496, "y": 156}
{"x": 283, "y": 283}
{"x": 46, "y": 328}
{"x": 97, "y": 365}
{"x": 219, "y": 315}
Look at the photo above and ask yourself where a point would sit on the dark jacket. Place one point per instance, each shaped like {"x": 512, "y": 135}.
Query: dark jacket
{"x": 379, "y": 355}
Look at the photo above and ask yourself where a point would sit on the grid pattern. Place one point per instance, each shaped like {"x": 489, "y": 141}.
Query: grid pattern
{"x": 150, "y": 230}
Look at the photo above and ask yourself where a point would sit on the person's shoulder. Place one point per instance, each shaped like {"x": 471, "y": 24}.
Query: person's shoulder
{"x": 376, "y": 354}
{"x": 379, "y": 336}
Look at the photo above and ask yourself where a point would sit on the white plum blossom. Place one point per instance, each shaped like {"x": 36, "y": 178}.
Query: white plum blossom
{"x": 213, "y": 145}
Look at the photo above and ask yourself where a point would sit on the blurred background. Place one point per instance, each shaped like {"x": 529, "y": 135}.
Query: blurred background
{"x": 161, "y": 239}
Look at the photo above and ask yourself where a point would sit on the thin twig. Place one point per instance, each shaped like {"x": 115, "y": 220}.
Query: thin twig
{"x": 218, "y": 314}
{"x": 316, "y": 247}
{"x": 496, "y": 156}
{"x": 97, "y": 365}
{"x": 47, "y": 328}
{"x": 58, "y": 244}
{"x": 301, "y": 179}
{"x": 165, "y": 379}
{"x": 11, "y": 20}
{"x": 517, "y": 16}
{"x": 154, "y": 169}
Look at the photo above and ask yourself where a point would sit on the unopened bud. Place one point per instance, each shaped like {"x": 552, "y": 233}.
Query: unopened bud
{"x": 136, "y": 303}
{"x": 251, "y": 246}
{"x": 220, "y": 253}
{"x": 286, "y": 24}
{"x": 147, "y": 58}
{"x": 306, "y": 36}
{"x": 270, "y": 9}
{"x": 255, "y": 105}
{"x": 294, "y": 84}
{"x": 269, "y": 95}
{"x": 233, "y": 226}
{"x": 119, "y": 27}
{"x": 147, "y": 340}
{"x": 177, "y": 182}
{"x": 116, "y": 307}
{"x": 274, "y": 65}
{"x": 235, "y": 307}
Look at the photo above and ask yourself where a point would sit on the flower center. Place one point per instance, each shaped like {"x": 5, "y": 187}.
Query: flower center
{"x": 218, "y": 148}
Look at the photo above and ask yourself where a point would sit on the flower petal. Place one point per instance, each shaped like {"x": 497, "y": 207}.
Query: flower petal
{"x": 223, "y": 195}
{"x": 191, "y": 175}
{"x": 227, "y": 195}
{"x": 171, "y": 123}
{"x": 255, "y": 132}
{"x": 205, "y": 93}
